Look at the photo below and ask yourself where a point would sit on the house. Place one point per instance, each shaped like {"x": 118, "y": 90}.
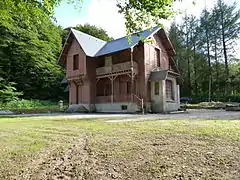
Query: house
{"x": 121, "y": 76}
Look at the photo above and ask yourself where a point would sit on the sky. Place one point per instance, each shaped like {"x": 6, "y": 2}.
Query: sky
{"x": 104, "y": 13}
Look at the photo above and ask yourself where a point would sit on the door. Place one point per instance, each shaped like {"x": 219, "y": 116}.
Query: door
{"x": 157, "y": 96}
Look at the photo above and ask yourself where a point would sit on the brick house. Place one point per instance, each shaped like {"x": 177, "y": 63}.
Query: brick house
{"x": 118, "y": 76}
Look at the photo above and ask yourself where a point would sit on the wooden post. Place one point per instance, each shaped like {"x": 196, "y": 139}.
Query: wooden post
{"x": 132, "y": 76}
{"x": 112, "y": 89}
{"x": 142, "y": 106}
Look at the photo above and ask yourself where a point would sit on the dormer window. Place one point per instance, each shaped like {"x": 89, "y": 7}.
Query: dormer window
{"x": 75, "y": 62}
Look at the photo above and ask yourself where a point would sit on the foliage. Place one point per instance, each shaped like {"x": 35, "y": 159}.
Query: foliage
{"x": 140, "y": 14}
{"x": 27, "y": 104}
{"x": 29, "y": 46}
{"x": 209, "y": 69}
{"x": 8, "y": 91}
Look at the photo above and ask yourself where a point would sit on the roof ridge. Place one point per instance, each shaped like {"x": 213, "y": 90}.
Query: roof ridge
{"x": 132, "y": 34}
{"x": 150, "y": 32}
{"x": 88, "y": 35}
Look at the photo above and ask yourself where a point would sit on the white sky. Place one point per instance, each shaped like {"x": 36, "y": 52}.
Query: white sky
{"x": 104, "y": 13}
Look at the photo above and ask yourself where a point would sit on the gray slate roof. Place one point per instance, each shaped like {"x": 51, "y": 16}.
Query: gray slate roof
{"x": 95, "y": 47}
{"x": 122, "y": 43}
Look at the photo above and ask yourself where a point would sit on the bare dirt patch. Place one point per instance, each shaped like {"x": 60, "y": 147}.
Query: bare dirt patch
{"x": 148, "y": 156}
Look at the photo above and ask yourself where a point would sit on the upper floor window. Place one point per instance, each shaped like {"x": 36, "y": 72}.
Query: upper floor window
{"x": 108, "y": 61}
{"x": 169, "y": 90}
{"x": 157, "y": 56}
{"x": 75, "y": 61}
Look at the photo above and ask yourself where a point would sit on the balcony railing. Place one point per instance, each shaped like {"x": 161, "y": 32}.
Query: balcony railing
{"x": 116, "y": 98}
{"x": 117, "y": 68}
{"x": 74, "y": 73}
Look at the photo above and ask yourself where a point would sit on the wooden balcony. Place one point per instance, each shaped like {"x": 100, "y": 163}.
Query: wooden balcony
{"x": 71, "y": 74}
{"x": 117, "y": 68}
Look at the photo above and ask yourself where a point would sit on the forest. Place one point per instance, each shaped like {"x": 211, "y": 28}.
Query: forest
{"x": 30, "y": 43}
{"x": 207, "y": 49}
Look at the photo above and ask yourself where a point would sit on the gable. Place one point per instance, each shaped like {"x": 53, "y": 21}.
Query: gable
{"x": 89, "y": 44}
{"x": 161, "y": 40}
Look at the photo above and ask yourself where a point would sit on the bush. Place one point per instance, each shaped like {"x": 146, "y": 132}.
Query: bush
{"x": 27, "y": 104}
{"x": 7, "y": 91}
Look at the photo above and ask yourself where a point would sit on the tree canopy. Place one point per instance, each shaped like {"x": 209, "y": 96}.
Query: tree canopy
{"x": 29, "y": 47}
{"x": 205, "y": 49}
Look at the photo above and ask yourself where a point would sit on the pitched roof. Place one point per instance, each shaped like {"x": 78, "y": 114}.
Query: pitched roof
{"x": 122, "y": 43}
{"x": 96, "y": 47}
{"x": 89, "y": 44}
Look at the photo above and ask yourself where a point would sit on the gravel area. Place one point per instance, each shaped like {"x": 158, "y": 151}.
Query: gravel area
{"x": 190, "y": 114}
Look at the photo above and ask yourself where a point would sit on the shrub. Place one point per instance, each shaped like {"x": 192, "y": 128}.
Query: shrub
{"x": 27, "y": 104}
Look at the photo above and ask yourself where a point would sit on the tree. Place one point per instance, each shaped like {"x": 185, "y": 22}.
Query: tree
{"x": 230, "y": 29}
{"x": 200, "y": 53}
{"x": 29, "y": 47}
{"x": 93, "y": 31}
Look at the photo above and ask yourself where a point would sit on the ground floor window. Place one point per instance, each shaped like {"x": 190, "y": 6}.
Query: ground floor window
{"x": 169, "y": 90}
{"x": 156, "y": 88}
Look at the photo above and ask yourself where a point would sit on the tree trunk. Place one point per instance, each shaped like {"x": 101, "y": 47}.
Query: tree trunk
{"x": 225, "y": 53}
{"x": 216, "y": 61}
{"x": 189, "y": 68}
{"x": 209, "y": 66}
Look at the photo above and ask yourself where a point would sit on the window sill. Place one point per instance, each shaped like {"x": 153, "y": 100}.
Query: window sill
{"x": 170, "y": 101}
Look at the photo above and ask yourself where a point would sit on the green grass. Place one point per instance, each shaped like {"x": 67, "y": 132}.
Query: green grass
{"x": 26, "y": 140}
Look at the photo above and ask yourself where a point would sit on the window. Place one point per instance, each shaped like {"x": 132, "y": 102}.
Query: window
{"x": 107, "y": 89}
{"x": 129, "y": 87}
{"x": 169, "y": 90}
{"x": 156, "y": 88}
{"x": 108, "y": 61}
{"x": 124, "y": 107}
{"x": 157, "y": 56}
{"x": 75, "y": 61}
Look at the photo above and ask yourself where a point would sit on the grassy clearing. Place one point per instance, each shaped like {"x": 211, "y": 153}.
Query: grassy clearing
{"x": 48, "y": 148}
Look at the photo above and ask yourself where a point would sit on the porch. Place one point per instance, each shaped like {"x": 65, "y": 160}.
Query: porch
{"x": 117, "y": 89}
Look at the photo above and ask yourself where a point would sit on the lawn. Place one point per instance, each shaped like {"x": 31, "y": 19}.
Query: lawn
{"x": 57, "y": 148}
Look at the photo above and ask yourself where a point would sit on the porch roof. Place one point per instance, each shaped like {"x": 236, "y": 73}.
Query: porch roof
{"x": 162, "y": 74}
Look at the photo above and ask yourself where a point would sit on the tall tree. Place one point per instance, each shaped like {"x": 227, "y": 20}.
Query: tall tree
{"x": 230, "y": 30}
{"x": 29, "y": 46}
